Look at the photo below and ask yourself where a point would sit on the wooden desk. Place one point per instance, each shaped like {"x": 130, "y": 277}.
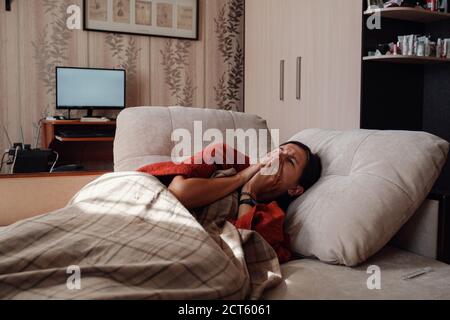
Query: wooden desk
{"x": 94, "y": 153}
{"x": 51, "y": 126}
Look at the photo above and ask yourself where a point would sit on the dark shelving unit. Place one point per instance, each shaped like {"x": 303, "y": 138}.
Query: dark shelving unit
{"x": 406, "y": 93}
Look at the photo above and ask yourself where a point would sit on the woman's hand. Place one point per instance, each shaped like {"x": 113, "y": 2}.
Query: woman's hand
{"x": 263, "y": 183}
{"x": 248, "y": 173}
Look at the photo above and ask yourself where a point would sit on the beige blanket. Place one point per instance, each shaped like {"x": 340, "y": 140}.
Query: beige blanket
{"x": 124, "y": 236}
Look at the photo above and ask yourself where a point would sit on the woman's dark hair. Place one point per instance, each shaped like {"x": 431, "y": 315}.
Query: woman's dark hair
{"x": 313, "y": 168}
{"x": 311, "y": 173}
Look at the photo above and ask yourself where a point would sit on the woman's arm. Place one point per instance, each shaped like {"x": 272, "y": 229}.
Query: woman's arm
{"x": 244, "y": 208}
{"x": 198, "y": 192}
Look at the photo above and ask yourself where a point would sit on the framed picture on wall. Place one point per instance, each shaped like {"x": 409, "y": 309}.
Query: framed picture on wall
{"x": 161, "y": 18}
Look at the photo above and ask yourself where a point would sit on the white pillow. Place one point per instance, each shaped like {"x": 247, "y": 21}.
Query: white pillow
{"x": 372, "y": 182}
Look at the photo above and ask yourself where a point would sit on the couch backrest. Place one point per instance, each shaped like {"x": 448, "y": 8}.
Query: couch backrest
{"x": 143, "y": 134}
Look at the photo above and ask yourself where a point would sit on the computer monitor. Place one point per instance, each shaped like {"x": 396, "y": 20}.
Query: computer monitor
{"x": 90, "y": 88}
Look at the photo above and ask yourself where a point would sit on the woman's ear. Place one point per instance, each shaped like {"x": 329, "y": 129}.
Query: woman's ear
{"x": 297, "y": 191}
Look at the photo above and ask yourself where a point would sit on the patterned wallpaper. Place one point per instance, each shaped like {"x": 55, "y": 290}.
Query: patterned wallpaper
{"x": 229, "y": 32}
{"x": 207, "y": 73}
{"x": 177, "y": 75}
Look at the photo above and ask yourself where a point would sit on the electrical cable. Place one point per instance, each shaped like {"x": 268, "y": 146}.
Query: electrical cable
{"x": 23, "y": 139}
{"x": 38, "y": 135}
{"x": 54, "y": 163}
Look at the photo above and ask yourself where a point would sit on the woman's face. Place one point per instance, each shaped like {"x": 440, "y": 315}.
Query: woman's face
{"x": 292, "y": 161}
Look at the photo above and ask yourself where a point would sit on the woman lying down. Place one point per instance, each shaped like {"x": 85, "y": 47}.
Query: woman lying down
{"x": 129, "y": 239}
{"x": 264, "y": 193}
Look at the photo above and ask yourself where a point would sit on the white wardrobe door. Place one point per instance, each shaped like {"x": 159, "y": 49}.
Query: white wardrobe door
{"x": 326, "y": 36}
{"x": 295, "y": 37}
{"x": 332, "y": 64}
{"x": 263, "y": 55}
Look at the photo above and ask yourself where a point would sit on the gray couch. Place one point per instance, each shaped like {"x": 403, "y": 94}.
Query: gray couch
{"x": 144, "y": 136}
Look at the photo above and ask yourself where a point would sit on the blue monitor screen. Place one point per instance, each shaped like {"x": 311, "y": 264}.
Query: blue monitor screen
{"x": 90, "y": 88}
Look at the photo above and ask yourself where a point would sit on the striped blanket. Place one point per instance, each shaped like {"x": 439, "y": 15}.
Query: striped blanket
{"x": 125, "y": 236}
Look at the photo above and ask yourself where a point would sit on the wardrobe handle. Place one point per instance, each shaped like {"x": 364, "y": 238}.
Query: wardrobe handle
{"x": 299, "y": 78}
{"x": 282, "y": 80}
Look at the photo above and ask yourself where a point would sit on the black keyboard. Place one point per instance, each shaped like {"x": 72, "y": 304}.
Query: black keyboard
{"x": 86, "y": 133}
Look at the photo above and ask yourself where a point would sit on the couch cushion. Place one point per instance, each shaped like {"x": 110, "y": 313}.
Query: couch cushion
{"x": 312, "y": 279}
{"x": 143, "y": 134}
{"x": 372, "y": 182}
